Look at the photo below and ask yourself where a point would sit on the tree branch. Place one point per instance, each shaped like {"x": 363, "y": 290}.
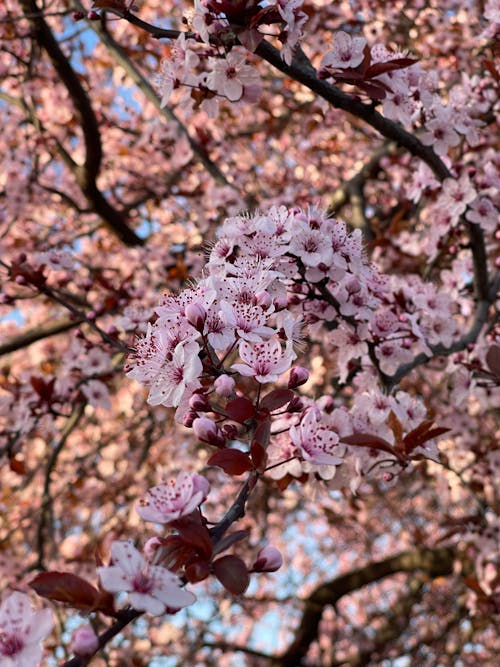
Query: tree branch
{"x": 145, "y": 87}
{"x": 85, "y": 175}
{"x": 39, "y": 332}
{"x": 434, "y": 562}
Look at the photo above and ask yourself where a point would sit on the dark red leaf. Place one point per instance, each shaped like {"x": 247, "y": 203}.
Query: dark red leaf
{"x": 17, "y": 465}
{"x": 380, "y": 68}
{"x": 240, "y": 409}
{"x": 228, "y": 540}
{"x": 277, "y": 399}
{"x": 176, "y": 552}
{"x": 232, "y": 461}
{"x": 371, "y": 441}
{"x": 68, "y": 588}
{"x": 418, "y": 435}
{"x": 259, "y": 456}
{"x": 197, "y": 571}
{"x": 262, "y": 433}
{"x": 232, "y": 573}
{"x": 493, "y": 360}
{"x": 196, "y": 536}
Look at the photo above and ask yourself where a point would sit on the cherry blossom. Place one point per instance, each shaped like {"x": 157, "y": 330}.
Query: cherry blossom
{"x": 440, "y": 133}
{"x": 21, "y": 631}
{"x": 174, "y": 498}
{"x": 232, "y": 77}
{"x": 347, "y": 51}
{"x": 150, "y": 588}
{"x": 264, "y": 361}
{"x": 317, "y": 443}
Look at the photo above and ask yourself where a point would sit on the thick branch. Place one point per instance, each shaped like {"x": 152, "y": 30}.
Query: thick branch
{"x": 145, "y": 87}
{"x": 85, "y": 175}
{"x": 39, "y": 332}
{"x": 434, "y": 562}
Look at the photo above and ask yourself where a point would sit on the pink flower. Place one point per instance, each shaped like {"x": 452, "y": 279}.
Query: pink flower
{"x": 21, "y": 631}
{"x": 230, "y": 76}
{"x": 175, "y": 498}
{"x": 248, "y": 320}
{"x": 150, "y": 588}
{"x": 97, "y": 394}
{"x": 483, "y": 213}
{"x": 265, "y": 361}
{"x": 457, "y": 193}
{"x": 441, "y": 134}
{"x": 316, "y": 441}
{"x": 177, "y": 377}
{"x": 347, "y": 51}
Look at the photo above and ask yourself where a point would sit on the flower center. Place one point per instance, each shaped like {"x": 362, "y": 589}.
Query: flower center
{"x": 142, "y": 583}
{"x": 10, "y": 645}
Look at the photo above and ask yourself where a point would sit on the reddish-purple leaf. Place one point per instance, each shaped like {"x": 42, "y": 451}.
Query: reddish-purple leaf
{"x": 232, "y": 461}
{"x": 68, "y": 588}
{"x": 240, "y": 409}
{"x": 259, "y": 456}
{"x": 262, "y": 433}
{"x": 232, "y": 573}
{"x": 228, "y": 540}
{"x": 176, "y": 552}
{"x": 493, "y": 360}
{"x": 277, "y": 399}
{"x": 197, "y": 571}
{"x": 371, "y": 441}
{"x": 196, "y": 536}
{"x": 380, "y": 68}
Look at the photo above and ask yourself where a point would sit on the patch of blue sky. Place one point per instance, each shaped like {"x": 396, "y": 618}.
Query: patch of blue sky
{"x": 14, "y": 315}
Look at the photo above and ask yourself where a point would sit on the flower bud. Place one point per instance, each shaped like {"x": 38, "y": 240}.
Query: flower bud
{"x": 84, "y": 641}
{"x": 263, "y": 299}
{"x": 151, "y": 546}
{"x": 208, "y": 431}
{"x": 189, "y": 418}
{"x": 280, "y": 301}
{"x": 199, "y": 403}
{"x": 298, "y": 376}
{"x": 224, "y": 385}
{"x": 230, "y": 431}
{"x": 196, "y": 315}
{"x": 269, "y": 559}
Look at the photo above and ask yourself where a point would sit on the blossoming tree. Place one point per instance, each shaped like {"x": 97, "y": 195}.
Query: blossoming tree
{"x": 249, "y": 365}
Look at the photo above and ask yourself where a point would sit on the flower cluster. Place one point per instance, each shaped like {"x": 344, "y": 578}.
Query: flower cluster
{"x": 271, "y": 277}
{"x": 211, "y": 63}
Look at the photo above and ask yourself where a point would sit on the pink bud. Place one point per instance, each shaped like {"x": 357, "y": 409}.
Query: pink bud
{"x": 269, "y": 559}
{"x": 189, "y": 418}
{"x": 84, "y": 641}
{"x": 151, "y": 546}
{"x": 263, "y": 299}
{"x": 199, "y": 403}
{"x": 196, "y": 315}
{"x": 224, "y": 385}
{"x": 280, "y": 301}
{"x": 298, "y": 376}
{"x": 208, "y": 431}
{"x": 93, "y": 16}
